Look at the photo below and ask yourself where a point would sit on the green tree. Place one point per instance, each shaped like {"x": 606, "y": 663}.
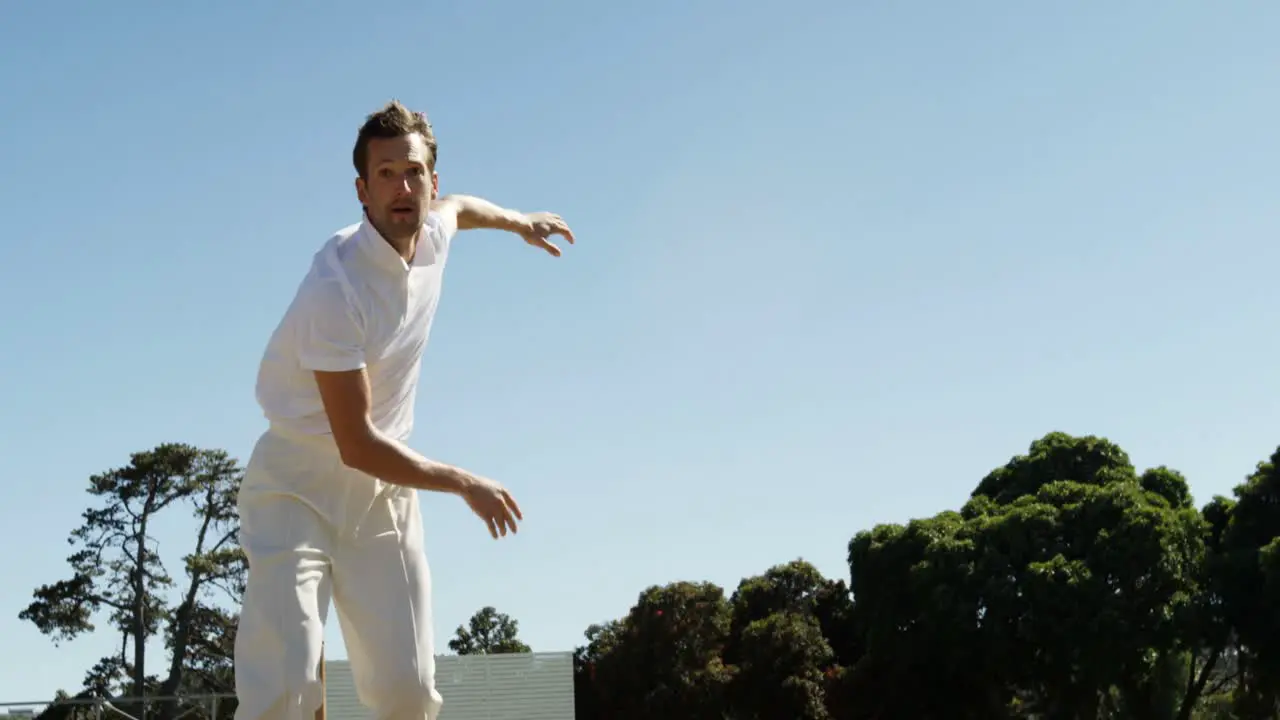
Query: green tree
{"x": 117, "y": 576}
{"x": 662, "y": 660}
{"x": 1059, "y": 590}
{"x": 1251, "y": 587}
{"x": 788, "y": 614}
{"x": 918, "y": 611}
{"x": 1068, "y": 587}
{"x": 488, "y": 632}
{"x": 587, "y": 692}
{"x": 1196, "y": 678}
{"x": 781, "y": 670}
{"x": 796, "y": 587}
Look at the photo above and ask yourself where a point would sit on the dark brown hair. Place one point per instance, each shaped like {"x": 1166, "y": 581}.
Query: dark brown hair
{"x": 392, "y": 121}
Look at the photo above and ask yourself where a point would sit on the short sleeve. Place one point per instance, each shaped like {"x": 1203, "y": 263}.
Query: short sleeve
{"x": 330, "y": 332}
{"x": 441, "y": 227}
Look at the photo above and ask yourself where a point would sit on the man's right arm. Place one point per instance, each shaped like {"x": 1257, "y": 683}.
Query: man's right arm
{"x": 363, "y": 447}
{"x": 346, "y": 399}
{"x": 331, "y": 345}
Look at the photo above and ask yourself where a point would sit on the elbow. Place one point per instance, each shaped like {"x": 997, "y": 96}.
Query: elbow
{"x": 358, "y": 451}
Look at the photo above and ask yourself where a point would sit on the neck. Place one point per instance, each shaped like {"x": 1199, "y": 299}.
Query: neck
{"x": 405, "y": 246}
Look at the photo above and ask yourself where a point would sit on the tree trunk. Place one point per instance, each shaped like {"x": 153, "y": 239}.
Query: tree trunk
{"x": 182, "y": 627}
{"x": 139, "y": 616}
{"x": 1196, "y": 686}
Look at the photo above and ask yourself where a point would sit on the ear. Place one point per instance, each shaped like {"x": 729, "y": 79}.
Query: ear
{"x": 435, "y": 185}
{"x": 362, "y": 191}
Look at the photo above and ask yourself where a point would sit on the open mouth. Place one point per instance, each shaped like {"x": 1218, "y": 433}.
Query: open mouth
{"x": 403, "y": 212}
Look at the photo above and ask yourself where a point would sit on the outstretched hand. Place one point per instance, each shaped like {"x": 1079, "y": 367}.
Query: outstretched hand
{"x": 541, "y": 226}
{"x": 495, "y": 506}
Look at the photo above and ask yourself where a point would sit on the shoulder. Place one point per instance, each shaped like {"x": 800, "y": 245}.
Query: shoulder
{"x": 325, "y": 314}
{"x": 346, "y": 232}
{"x": 328, "y": 288}
{"x": 322, "y": 291}
{"x": 342, "y": 244}
{"x": 441, "y": 226}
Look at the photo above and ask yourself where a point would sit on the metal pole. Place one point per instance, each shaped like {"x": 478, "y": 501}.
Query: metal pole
{"x": 324, "y": 692}
{"x": 107, "y": 704}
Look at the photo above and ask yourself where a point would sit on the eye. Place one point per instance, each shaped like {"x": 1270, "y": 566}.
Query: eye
{"x": 385, "y": 173}
{"x": 417, "y": 171}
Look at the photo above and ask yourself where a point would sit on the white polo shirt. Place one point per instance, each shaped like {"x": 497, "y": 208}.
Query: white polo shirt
{"x": 360, "y": 306}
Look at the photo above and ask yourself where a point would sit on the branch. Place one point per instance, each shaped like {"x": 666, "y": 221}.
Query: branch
{"x": 1196, "y": 681}
{"x": 132, "y": 515}
{"x": 64, "y": 609}
{"x": 228, "y": 537}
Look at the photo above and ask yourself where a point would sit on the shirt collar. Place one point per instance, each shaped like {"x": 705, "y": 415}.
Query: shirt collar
{"x": 386, "y": 257}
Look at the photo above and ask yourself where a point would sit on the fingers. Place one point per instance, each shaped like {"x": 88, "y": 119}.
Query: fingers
{"x": 505, "y": 520}
{"x": 510, "y": 511}
{"x": 500, "y": 513}
{"x": 508, "y": 521}
{"x": 561, "y": 228}
{"x": 549, "y": 247}
{"x": 512, "y": 504}
{"x": 543, "y": 226}
{"x": 540, "y": 241}
{"x": 552, "y": 224}
{"x": 501, "y": 523}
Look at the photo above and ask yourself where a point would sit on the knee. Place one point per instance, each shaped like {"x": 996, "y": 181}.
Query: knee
{"x": 311, "y": 697}
{"x": 297, "y": 700}
{"x": 304, "y": 696}
{"x": 271, "y": 688}
{"x": 300, "y": 691}
{"x": 412, "y": 699}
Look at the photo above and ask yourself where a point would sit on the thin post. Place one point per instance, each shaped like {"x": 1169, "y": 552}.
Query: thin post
{"x": 324, "y": 690}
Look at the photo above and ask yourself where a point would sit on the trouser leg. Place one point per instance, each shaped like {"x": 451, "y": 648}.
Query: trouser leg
{"x": 281, "y": 632}
{"x": 382, "y": 590}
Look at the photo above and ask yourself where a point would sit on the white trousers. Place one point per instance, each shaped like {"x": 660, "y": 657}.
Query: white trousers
{"x": 314, "y": 531}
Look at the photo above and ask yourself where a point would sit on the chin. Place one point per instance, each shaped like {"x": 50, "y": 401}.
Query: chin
{"x": 406, "y": 227}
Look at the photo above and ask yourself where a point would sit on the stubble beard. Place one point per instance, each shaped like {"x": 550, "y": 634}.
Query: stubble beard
{"x": 396, "y": 232}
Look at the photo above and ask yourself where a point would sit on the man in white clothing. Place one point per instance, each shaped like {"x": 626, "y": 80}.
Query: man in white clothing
{"x": 329, "y": 504}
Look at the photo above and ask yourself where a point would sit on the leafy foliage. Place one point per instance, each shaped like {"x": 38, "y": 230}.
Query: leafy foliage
{"x": 488, "y": 632}
{"x": 1068, "y": 586}
{"x": 119, "y": 583}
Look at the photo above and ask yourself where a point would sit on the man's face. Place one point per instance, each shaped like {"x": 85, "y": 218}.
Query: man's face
{"x": 400, "y": 185}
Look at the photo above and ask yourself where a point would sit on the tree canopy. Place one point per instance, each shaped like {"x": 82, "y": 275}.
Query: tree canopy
{"x": 1068, "y": 586}
{"x": 488, "y": 632}
{"x": 118, "y": 583}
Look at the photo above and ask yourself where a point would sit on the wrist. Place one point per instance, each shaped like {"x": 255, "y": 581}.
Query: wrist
{"x": 514, "y": 221}
{"x": 469, "y": 483}
{"x": 441, "y": 477}
{"x": 461, "y": 481}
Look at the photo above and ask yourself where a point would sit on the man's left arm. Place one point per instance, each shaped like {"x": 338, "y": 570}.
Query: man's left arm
{"x": 465, "y": 212}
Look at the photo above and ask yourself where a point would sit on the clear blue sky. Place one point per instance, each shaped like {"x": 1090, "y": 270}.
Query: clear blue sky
{"x": 836, "y": 262}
